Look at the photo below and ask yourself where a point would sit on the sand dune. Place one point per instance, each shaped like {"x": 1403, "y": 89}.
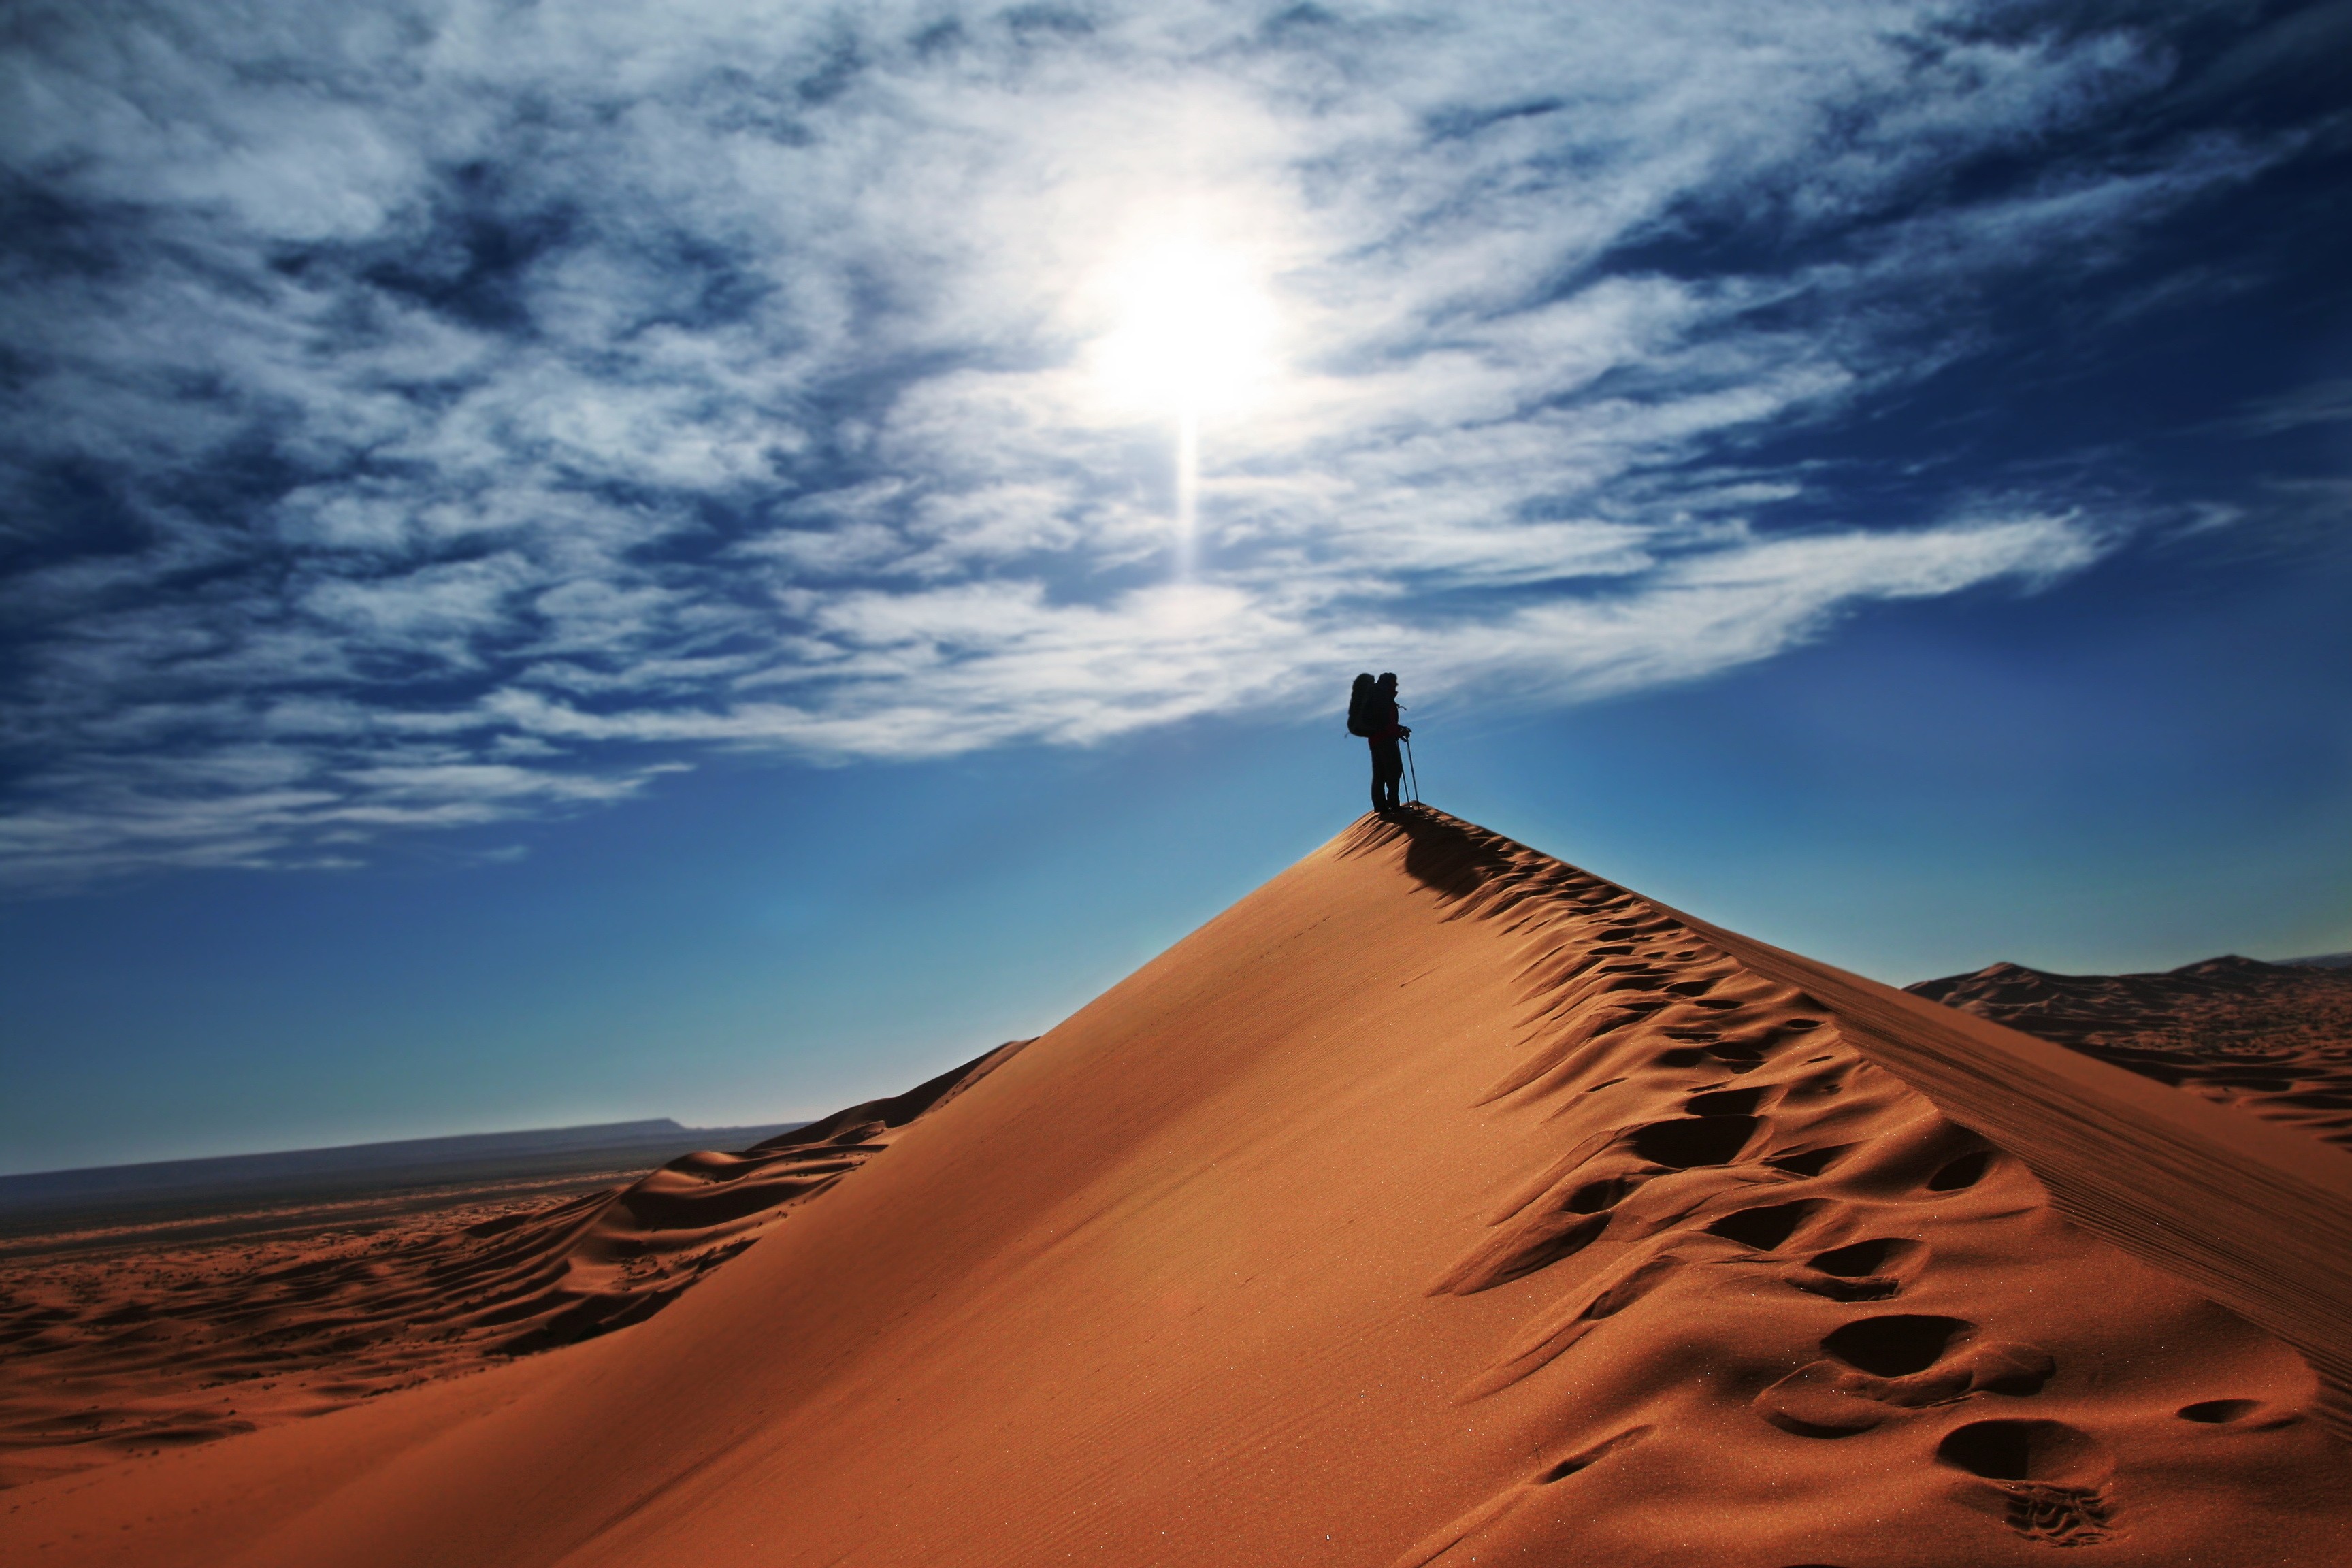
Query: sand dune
{"x": 1437, "y": 1204}
{"x": 114, "y": 1351}
{"x": 2275, "y": 1039}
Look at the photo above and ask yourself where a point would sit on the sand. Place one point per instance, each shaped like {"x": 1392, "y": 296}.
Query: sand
{"x": 134, "y": 1339}
{"x": 1437, "y": 1204}
{"x": 2270, "y": 1038}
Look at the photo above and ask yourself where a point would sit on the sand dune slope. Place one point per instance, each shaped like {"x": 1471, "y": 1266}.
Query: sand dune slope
{"x": 1436, "y": 1203}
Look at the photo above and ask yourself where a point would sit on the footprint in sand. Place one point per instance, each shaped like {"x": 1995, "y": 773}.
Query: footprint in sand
{"x": 1767, "y": 1227}
{"x": 1869, "y": 1271}
{"x": 1882, "y": 1369}
{"x": 2239, "y": 1415}
{"x": 1686, "y": 1142}
{"x": 1965, "y": 1172}
{"x": 1808, "y": 1162}
{"x": 2044, "y": 1477}
{"x": 1898, "y": 1345}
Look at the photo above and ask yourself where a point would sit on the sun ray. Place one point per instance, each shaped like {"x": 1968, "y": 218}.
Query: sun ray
{"x": 1192, "y": 343}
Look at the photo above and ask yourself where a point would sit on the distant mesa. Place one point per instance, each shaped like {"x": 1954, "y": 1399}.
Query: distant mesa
{"x": 2275, "y": 1039}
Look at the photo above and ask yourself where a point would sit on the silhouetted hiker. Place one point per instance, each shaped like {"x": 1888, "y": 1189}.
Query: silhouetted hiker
{"x": 1373, "y": 713}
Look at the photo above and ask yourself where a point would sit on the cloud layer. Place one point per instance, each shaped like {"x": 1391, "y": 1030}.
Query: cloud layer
{"x": 425, "y": 415}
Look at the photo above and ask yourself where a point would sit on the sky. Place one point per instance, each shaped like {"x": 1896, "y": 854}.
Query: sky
{"x": 567, "y": 562}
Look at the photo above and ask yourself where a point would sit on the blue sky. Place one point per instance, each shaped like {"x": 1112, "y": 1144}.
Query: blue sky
{"x": 572, "y": 561}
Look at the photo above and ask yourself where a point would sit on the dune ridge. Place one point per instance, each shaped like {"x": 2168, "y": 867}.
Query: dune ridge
{"x": 1784, "y": 1167}
{"x": 1438, "y": 1203}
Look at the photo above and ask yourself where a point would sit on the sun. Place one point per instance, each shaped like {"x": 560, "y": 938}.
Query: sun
{"x": 1193, "y": 331}
{"x": 1191, "y": 340}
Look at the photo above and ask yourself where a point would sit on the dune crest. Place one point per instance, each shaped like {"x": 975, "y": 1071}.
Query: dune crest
{"x": 1437, "y": 1204}
{"x": 1734, "y": 1163}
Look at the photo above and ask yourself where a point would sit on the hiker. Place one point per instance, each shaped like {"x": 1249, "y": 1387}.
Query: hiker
{"x": 1373, "y": 713}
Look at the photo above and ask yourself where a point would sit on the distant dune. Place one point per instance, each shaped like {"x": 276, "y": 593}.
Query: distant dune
{"x": 153, "y": 1333}
{"x": 2272, "y": 1038}
{"x": 1437, "y": 1204}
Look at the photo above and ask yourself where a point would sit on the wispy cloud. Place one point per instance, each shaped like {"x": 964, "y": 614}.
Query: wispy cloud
{"x": 2321, "y": 402}
{"x": 439, "y": 414}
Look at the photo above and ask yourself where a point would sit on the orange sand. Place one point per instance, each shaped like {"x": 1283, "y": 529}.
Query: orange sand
{"x": 114, "y": 1349}
{"x": 1436, "y": 1203}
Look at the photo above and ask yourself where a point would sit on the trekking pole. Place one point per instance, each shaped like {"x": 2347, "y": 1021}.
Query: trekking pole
{"x": 1411, "y": 772}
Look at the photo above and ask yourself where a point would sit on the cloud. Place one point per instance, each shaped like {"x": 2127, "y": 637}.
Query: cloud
{"x": 440, "y": 414}
{"x": 2321, "y": 402}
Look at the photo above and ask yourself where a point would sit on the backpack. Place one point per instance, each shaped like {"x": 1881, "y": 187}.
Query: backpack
{"x": 1359, "y": 699}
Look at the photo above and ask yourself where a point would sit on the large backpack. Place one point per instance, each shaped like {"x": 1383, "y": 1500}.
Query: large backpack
{"x": 1359, "y": 702}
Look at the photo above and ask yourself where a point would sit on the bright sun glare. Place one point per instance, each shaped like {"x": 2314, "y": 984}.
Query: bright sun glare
{"x": 1193, "y": 332}
{"x": 1194, "y": 338}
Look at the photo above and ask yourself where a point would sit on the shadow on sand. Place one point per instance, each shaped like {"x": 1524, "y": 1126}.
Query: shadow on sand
{"x": 1449, "y": 856}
